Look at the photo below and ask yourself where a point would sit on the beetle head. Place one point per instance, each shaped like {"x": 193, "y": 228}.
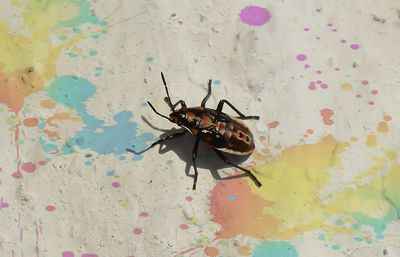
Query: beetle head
{"x": 178, "y": 117}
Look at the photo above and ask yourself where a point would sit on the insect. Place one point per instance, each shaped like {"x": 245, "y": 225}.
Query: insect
{"x": 222, "y": 132}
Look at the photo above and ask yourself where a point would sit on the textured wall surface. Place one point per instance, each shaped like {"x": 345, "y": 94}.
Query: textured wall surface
{"x": 74, "y": 80}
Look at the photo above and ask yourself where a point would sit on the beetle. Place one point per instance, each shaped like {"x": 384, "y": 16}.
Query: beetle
{"x": 222, "y": 132}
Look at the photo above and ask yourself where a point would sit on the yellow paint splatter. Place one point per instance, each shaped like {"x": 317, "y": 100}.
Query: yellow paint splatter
{"x": 371, "y": 141}
{"x": 346, "y": 86}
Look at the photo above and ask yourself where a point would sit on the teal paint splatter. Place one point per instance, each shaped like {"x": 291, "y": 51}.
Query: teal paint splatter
{"x": 274, "y": 249}
{"x": 378, "y": 224}
{"x": 336, "y": 247}
{"x": 85, "y": 15}
{"x": 72, "y": 92}
{"x": 217, "y": 82}
{"x": 93, "y": 52}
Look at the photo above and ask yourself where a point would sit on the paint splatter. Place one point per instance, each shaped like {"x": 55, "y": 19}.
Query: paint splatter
{"x": 327, "y": 116}
{"x": 244, "y": 250}
{"x": 68, "y": 254}
{"x": 184, "y": 226}
{"x": 28, "y": 167}
{"x": 354, "y": 46}
{"x": 274, "y": 249}
{"x": 346, "y": 86}
{"x": 137, "y": 231}
{"x": 273, "y": 124}
{"x": 50, "y": 208}
{"x": 301, "y": 57}
{"x": 211, "y": 251}
{"x": 255, "y": 15}
{"x": 30, "y": 122}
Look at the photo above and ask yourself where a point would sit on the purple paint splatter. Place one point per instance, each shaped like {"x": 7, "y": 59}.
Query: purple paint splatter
{"x": 301, "y": 57}
{"x": 354, "y": 46}
{"x": 255, "y": 15}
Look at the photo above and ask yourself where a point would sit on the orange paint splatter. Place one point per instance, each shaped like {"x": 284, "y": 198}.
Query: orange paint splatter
{"x": 387, "y": 118}
{"x": 47, "y": 103}
{"x": 383, "y": 127}
{"x": 246, "y": 207}
{"x": 52, "y": 121}
{"x": 327, "y": 116}
{"x": 30, "y": 122}
{"x": 273, "y": 124}
{"x": 51, "y": 133}
{"x": 211, "y": 251}
{"x": 244, "y": 250}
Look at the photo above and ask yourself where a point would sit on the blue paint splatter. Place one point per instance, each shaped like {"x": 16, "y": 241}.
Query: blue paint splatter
{"x": 149, "y": 59}
{"x": 217, "y": 82}
{"x": 274, "y": 249}
{"x": 111, "y": 173}
{"x": 72, "y": 92}
{"x": 93, "y": 52}
{"x": 232, "y": 197}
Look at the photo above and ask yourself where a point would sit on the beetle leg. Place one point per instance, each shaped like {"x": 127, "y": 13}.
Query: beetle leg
{"x": 203, "y": 103}
{"x": 194, "y": 155}
{"x": 181, "y": 102}
{"x": 241, "y": 115}
{"x": 220, "y": 155}
{"x": 178, "y": 134}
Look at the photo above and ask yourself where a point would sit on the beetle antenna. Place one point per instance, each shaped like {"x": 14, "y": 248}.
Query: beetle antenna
{"x": 154, "y": 109}
{"x": 166, "y": 89}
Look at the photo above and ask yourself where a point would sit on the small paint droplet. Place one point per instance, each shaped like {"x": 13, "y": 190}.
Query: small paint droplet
{"x": 50, "y": 208}
{"x": 211, "y": 251}
{"x": 232, "y": 197}
{"x": 217, "y": 82}
{"x": 334, "y": 30}
{"x": 189, "y": 198}
{"x": 346, "y": 86}
{"x": 374, "y": 92}
{"x": 337, "y": 69}
{"x": 28, "y": 167}
{"x": 244, "y": 250}
{"x": 358, "y": 96}
{"x": 42, "y": 162}
{"x": 318, "y": 10}
{"x": 93, "y": 52}
{"x": 335, "y": 247}
{"x": 301, "y": 57}
{"x": 371, "y": 102}
{"x": 149, "y": 59}
{"x": 312, "y": 87}
{"x": 383, "y": 127}
{"x": 354, "y": 139}
{"x": 318, "y": 72}
{"x": 273, "y": 124}
{"x": 307, "y": 66}
{"x": 184, "y": 226}
{"x": 354, "y": 46}
{"x": 327, "y": 116}
{"x": 324, "y": 86}
{"x": 137, "y": 231}
{"x": 306, "y": 29}
{"x": 17, "y": 174}
{"x": 343, "y": 41}
{"x": 319, "y": 81}
{"x": 30, "y": 122}
{"x": 68, "y": 254}
{"x": 310, "y": 131}
{"x": 371, "y": 141}
{"x": 329, "y": 24}
{"x": 111, "y": 173}
{"x": 387, "y": 118}
{"x": 144, "y": 214}
{"x": 365, "y": 82}
{"x": 255, "y": 15}
{"x": 115, "y": 184}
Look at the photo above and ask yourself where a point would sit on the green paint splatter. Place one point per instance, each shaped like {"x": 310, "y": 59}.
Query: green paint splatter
{"x": 274, "y": 249}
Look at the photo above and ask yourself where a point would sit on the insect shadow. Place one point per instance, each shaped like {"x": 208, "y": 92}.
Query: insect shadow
{"x": 206, "y": 157}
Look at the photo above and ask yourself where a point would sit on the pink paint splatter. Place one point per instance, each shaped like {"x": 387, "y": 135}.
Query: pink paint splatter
{"x": 312, "y": 87}
{"x": 273, "y": 124}
{"x": 144, "y": 214}
{"x": 50, "y": 208}
{"x": 318, "y": 72}
{"x": 354, "y": 46}
{"x": 301, "y": 57}
{"x": 324, "y": 86}
{"x": 115, "y": 184}
{"x": 306, "y": 66}
{"x": 319, "y": 82}
{"x": 329, "y": 24}
{"x": 327, "y": 116}
{"x": 3, "y": 204}
{"x": 189, "y": 198}
{"x": 28, "y": 167}
{"x": 137, "y": 231}
{"x": 184, "y": 226}
{"x": 318, "y": 10}
{"x": 255, "y": 15}
{"x": 365, "y": 82}
{"x": 16, "y": 174}
{"x": 306, "y": 29}
{"x": 374, "y": 92}
{"x": 68, "y": 254}
{"x": 42, "y": 162}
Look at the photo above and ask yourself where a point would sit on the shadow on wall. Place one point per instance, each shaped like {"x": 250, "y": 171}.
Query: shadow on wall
{"x": 206, "y": 157}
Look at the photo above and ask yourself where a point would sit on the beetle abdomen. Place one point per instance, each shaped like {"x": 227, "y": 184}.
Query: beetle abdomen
{"x": 238, "y": 137}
